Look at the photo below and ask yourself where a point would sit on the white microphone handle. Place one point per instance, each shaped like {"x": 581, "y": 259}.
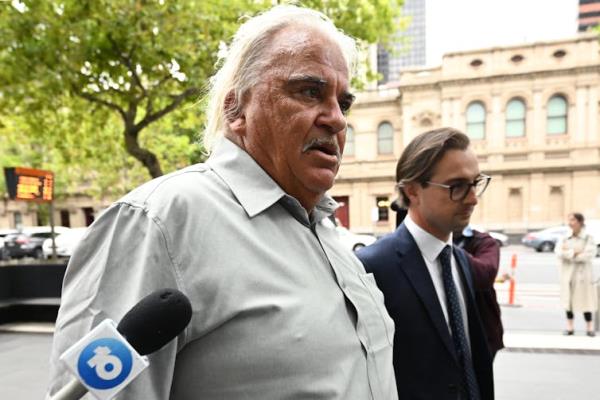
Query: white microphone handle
{"x": 73, "y": 390}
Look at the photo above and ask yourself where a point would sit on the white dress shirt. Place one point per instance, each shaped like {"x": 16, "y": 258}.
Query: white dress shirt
{"x": 430, "y": 248}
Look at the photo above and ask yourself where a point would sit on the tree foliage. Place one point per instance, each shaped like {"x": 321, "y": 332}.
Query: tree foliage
{"x": 101, "y": 81}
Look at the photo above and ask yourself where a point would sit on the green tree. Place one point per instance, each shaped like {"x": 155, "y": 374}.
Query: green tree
{"x": 141, "y": 60}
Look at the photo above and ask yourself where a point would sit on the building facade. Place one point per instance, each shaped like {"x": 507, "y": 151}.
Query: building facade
{"x": 532, "y": 112}
{"x": 74, "y": 211}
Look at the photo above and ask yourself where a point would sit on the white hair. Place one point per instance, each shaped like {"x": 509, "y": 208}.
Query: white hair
{"x": 244, "y": 62}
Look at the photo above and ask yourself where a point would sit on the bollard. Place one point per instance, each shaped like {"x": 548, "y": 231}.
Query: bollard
{"x": 511, "y": 291}
{"x": 512, "y": 282}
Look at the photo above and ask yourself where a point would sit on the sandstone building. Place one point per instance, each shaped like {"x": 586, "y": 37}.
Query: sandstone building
{"x": 532, "y": 112}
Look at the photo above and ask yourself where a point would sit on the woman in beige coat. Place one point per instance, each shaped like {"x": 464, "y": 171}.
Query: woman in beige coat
{"x": 577, "y": 292}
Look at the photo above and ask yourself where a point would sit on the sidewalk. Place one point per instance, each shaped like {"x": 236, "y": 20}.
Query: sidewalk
{"x": 551, "y": 341}
{"x": 540, "y": 304}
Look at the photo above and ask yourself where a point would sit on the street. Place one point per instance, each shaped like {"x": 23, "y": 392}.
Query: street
{"x": 524, "y": 372}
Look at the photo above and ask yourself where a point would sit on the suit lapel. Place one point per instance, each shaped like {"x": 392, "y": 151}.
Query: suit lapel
{"x": 411, "y": 263}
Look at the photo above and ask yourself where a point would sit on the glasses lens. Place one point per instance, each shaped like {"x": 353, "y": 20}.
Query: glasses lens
{"x": 459, "y": 191}
{"x": 481, "y": 184}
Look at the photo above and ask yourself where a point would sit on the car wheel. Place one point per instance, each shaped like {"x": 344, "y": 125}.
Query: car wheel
{"x": 598, "y": 251}
{"x": 358, "y": 246}
{"x": 38, "y": 254}
{"x": 546, "y": 246}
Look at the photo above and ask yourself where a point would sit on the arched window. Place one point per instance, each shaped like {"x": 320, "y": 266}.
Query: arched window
{"x": 476, "y": 120}
{"x": 349, "y": 148}
{"x": 515, "y": 118}
{"x": 385, "y": 138}
{"x": 556, "y": 120}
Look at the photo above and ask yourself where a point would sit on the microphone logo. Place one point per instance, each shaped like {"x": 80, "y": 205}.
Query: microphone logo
{"x": 104, "y": 363}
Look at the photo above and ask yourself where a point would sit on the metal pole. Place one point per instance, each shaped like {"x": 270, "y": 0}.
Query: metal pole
{"x": 52, "y": 229}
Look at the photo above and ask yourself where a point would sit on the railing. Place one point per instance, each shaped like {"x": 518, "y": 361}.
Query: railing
{"x": 30, "y": 291}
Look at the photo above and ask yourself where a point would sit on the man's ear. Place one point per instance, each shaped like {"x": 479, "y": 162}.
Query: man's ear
{"x": 411, "y": 190}
{"x": 234, "y": 115}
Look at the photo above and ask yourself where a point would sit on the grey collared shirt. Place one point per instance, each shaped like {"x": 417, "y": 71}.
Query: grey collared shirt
{"x": 281, "y": 310}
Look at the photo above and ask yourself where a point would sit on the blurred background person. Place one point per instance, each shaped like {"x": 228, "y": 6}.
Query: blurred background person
{"x": 577, "y": 293}
{"x": 483, "y": 252}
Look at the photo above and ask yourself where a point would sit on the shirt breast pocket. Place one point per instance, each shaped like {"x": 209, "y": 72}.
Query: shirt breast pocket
{"x": 373, "y": 315}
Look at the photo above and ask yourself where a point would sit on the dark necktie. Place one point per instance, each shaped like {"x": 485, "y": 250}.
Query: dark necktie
{"x": 458, "y": 328}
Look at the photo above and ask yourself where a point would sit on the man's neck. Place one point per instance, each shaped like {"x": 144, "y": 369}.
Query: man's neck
{"x": 432, "y": 230}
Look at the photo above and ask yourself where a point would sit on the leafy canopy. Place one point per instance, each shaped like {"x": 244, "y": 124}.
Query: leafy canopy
{"x": 93, "y": 85}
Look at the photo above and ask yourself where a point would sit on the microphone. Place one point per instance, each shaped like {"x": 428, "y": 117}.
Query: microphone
{"x": 109, "y": 357}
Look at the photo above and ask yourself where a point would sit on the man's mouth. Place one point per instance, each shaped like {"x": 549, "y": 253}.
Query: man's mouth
{"x": 467, "y": 212}
{"x": 326, "y": 146}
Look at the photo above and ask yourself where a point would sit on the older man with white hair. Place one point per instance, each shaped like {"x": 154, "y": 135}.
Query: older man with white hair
{"x": 280, "y": 309}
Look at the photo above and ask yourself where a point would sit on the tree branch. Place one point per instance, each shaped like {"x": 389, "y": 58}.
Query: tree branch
{"x": 105, "y": 103}
{"x": 149, "y": 118}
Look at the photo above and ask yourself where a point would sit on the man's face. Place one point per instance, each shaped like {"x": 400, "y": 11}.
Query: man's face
{"x": 431, "y": 206}
{"x": 293, "y": 121}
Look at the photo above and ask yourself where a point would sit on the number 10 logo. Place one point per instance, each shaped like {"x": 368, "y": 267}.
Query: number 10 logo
{"x": 104, "y": 363}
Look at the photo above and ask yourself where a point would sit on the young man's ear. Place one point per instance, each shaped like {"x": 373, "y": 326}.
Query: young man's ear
{"x": 411, "y": 190}
{"x": 234, "y": 115}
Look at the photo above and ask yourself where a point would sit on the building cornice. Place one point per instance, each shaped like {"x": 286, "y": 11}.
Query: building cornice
{"x": 438, "y": 85}
{"x": 540, "y": 169}
{"x": 501, "y": 170}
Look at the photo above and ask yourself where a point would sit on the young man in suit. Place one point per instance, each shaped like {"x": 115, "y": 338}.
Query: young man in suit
{"x": 440, "y": 349}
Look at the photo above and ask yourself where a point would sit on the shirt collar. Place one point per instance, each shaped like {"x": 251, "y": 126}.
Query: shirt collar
{"x": 429, "y": 245}
{"x": 573, "y": 235}
{"x": 254, "y": 188}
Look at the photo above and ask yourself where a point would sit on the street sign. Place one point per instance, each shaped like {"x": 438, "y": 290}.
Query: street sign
{"x": 29, "y": 184}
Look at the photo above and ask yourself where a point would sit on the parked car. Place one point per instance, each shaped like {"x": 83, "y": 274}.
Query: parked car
{"x": 592, "y": 226}
{"x": 352, "y": 241}
{"x": 28, "y": 242}
{"x": 501, "y": 238}
{"x": 3, "y": 234}
{"x": 65, "y": 243}
{"x": 545, "y": 239}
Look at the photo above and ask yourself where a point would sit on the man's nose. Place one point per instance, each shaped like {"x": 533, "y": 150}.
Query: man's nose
{"x": 471, "y": 196}
{"x": 331, "y": 117}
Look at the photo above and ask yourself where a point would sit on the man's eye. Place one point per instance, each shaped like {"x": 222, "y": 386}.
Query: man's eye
{"x": 345, "y": 106}
{"x": 461, "y": 187}
{"x": 314, "y": 92}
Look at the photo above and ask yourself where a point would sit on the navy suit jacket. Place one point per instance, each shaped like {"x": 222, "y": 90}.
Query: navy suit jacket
{"x": 425, "y": 361}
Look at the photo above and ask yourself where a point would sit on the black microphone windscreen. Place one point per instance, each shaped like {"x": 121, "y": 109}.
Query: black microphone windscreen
{"x": 156, "y": 320}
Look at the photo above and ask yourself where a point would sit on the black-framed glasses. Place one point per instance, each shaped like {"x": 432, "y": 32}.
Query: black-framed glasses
{"x": 459, "y": 191}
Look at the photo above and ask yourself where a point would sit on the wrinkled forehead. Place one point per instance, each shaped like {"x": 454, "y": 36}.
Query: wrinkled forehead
{"x": 296, "y": 46}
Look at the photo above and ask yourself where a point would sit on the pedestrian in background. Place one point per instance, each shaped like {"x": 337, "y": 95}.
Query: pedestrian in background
{"x": 483, "y": 253}
{"x": 575, "y": 253}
